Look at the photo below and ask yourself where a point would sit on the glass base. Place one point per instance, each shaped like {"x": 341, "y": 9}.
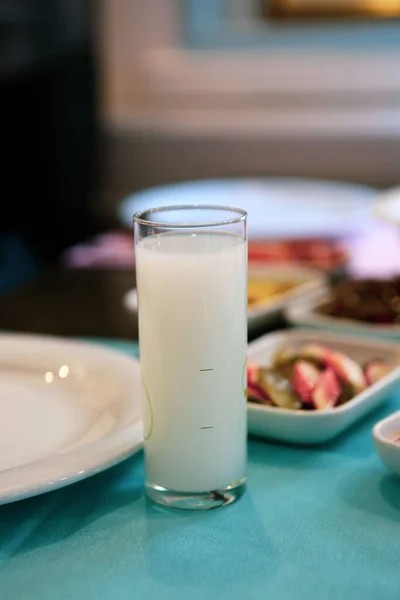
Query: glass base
{"x": 195, "y": 500}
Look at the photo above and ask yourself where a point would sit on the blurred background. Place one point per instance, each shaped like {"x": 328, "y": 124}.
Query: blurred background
{"x": 104, "y": 98}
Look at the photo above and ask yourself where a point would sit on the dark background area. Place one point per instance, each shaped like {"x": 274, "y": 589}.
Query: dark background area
{"x": 49, "y": 125}
{"x": 68, "y": 162}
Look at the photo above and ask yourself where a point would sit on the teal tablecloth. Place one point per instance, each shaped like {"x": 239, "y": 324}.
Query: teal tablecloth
{"x": 319, "y": 523}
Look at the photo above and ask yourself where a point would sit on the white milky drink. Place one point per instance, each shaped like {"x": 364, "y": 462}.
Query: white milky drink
{"x": 193, "y": 339}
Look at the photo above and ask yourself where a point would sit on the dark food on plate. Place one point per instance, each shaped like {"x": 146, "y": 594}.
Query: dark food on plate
{"x": 312, "y": 378}
{"x": 372, "y": 300}
{"x": 323, "y": 254}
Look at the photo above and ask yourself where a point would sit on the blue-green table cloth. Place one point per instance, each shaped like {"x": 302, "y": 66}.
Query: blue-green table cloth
{"x": 319, "y": 523}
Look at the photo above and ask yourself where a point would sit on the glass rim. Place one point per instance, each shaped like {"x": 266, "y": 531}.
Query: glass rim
{"x": 138, "y": 216}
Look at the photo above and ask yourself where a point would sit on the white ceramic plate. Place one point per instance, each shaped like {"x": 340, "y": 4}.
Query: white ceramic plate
{"x": 309, "y": 282}
{"x": 316, "y": 207}
{"x": 387, "y": 206}
{"x": 384, "y": 434}
{"x": 315, "y": 427}
{"x": 304, "y": 314}
{"x": 68, "y": 410}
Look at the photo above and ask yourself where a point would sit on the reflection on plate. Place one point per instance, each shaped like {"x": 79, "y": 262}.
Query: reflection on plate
{"x": 69, "y": 410}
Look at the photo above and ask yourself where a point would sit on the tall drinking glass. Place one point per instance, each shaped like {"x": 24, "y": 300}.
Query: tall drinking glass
{"x": 191, "y": 267}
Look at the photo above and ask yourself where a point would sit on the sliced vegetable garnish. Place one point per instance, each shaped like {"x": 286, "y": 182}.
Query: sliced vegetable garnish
{"x": 345, "y": 368}
{"x": 279, "y": 389}
{"x": 253, "y": 373}
{"x": 258, "y": 394}
{"x": 327, "y": 390}
{"x": 311, "y": 378}
{"x": 304, "y": 380}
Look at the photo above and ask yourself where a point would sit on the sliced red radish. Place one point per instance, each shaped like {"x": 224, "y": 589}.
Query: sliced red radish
{"x": 327, "y": 391}
{"x": 257, "y": 394}
{"x": 304, "y": 379}
{"x": 345, "y": 368}
{"x": 253, "y": 373}
{"x": 348, "y": 371}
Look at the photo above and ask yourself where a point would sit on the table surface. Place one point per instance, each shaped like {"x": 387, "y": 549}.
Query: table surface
{"x": 314, "y": 523}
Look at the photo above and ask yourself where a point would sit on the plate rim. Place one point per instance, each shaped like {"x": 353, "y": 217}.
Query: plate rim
{"x": 60, "y": 470}
{"x": 387, "y": 450}
{"x": 377, "y": 431}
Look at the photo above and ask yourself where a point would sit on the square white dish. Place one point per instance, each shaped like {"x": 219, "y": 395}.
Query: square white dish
{"x": 304, "y": 314}
{"x": 308, "y": 283}
{"x": 384, "y": 434}
{"x": 316, "y": 427}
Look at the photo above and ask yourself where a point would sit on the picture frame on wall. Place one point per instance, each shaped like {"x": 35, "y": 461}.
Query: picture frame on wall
{"x": 327, "y": 9}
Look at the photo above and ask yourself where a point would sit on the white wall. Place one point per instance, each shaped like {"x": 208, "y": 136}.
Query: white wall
{"x": 171, "y": 114}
